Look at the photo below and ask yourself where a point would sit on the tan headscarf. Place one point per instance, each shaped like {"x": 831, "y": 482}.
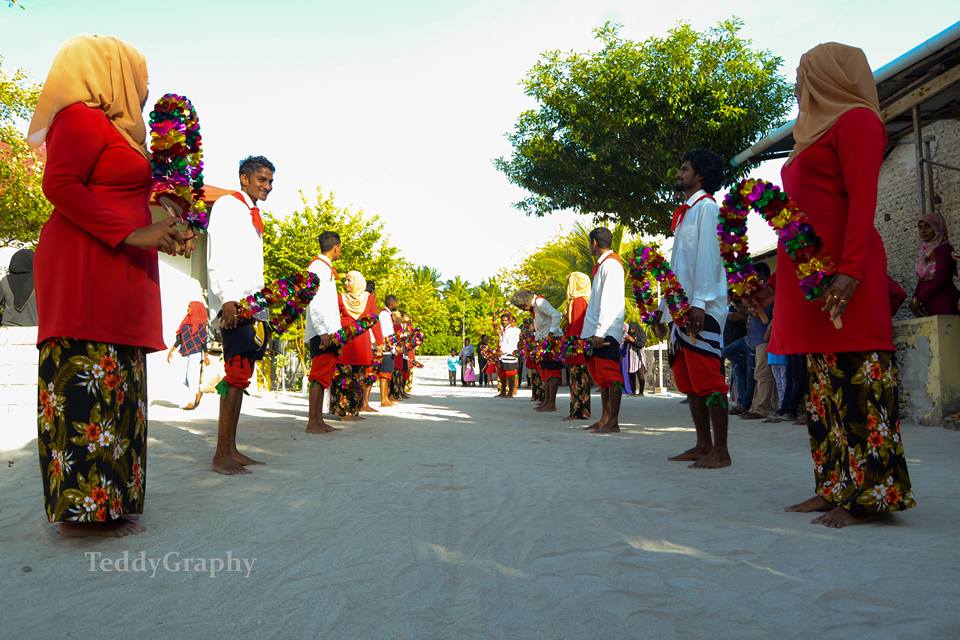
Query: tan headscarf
{"x": 832, "y": 78}
{"x": 355, "y": 295}
{"x": 101, "y": 72}
{"x": 578, "y": 286}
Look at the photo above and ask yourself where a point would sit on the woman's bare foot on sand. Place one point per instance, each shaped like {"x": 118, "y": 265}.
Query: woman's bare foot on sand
{"x": 573, "y": 419}
{"x": 227, "y": 465}
{"x": 608, "y": 428}
{"x": 838, "y": 518}
{"x": 816, "y": 503}
{"x": 115, "y": 529}
{"x": 691, "y": 455}
{"x": 716, "y": 459}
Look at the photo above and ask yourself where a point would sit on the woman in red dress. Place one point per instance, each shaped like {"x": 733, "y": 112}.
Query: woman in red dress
{"x": 578, "y": 297}
{"x": 97, "y": 286}
{"x": 346, "y": 390}
{"x": 858, "y": 455}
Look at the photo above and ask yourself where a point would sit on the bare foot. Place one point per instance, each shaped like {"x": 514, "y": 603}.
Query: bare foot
{"x": 691, "y": 455}
{"x": 319, "y": 427}
{"x": 593, "y": 427}
{"x": 368, "y": 410}
{"x": 816, "y": 503}
{"x": 716, "y": 459}
{"x": 573, "y": 419}
{"x": 547, "y": 408}
{"x": 227, "y": 466}
{"x": 115, "y": 529}
{"x": 387, "y": 404}
{"x": 609, "y": 428}
{"x": 838, "y": 518}
{"x": 245, "y": 460}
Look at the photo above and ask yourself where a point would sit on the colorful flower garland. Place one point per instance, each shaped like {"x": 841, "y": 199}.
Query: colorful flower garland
{"x": 574, "y": 346}
{"x": 815, "y": 269}
{"x": 647, "y": 259}
{"x": 358, "y": 327}
{"x": 177, "y": 157}
{"x": 293, "y": 293}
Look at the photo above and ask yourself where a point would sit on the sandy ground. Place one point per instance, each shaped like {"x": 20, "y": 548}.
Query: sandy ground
{"x": 460, "y": 516}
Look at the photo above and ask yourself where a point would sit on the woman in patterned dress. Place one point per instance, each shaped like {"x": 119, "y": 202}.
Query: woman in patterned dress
{"x": 97, "y": 287}
{"x": 578, "y": 296}
{"x": 346, "y": 390}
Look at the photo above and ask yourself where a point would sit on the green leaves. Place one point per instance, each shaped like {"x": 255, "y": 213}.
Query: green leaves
{"x": 613, "y": 124}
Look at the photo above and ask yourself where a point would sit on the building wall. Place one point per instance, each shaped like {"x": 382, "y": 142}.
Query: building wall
{"x": 929, "y": 376}
{"x": 898, "y": 204}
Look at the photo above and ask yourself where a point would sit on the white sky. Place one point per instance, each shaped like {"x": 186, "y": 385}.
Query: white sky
{"x": 400, "y": 108}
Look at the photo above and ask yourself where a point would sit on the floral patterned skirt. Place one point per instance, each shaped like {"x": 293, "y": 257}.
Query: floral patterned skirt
{"x": 346, "y": 390}
{"x": 396, "y": 385}
{"x": 92, "y": 429}
{"x": 854, "y": 426}
{"x": 536, "y": 386}
{"x": 580, "y": 384}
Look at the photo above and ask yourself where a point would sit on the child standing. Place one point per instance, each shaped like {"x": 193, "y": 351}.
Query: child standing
{"x": 452, "y": 363}
{"x": 469, "y": 375}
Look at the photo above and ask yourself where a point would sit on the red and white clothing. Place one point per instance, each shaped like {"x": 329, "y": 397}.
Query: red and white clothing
{"x": 234, "y": 251}
{"x": 546, "y": 319}
{"x": 606, "y": 311}
{"x": 577, "y": 313}
{"x": 359, "y": 351}
{"x": 323, "y": 314}
{"x": 509, "y": 342}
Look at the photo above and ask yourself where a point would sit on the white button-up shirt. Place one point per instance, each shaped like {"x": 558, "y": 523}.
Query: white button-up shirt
{"x": 509, "y": 341}
{"x": 386, "y": 324}
{"x": 323, "y": 314}
{"x": 546, "y": 319}
{"x": 234, "y": 252}
{"x": 696, "y": 259}
{"x": 606, "y": 311}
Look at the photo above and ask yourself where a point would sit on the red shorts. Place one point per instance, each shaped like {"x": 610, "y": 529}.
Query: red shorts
{"x": 605, "y": 372}
{"x": 239, "y": 372}
{"x": 698, "y": 374}
{"x": 550, "y": 374}
{"x": 322, "y": 368}
{"x": 385, "y": 375}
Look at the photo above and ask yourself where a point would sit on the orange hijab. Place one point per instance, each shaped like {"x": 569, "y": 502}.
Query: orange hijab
{"x": 196, "y": 315}
{"x": 102, "y": 72}
{"x": 832, "y": 78}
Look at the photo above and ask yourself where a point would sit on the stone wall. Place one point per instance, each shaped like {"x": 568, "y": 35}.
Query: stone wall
{"x": 18, "y": 386}
{"x": 898, "y": 205}
{"x": 928, "y": 352}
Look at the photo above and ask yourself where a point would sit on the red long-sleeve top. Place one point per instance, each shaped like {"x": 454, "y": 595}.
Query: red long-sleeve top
{"x": 89, "y": 285}
{"x": 359, "y": 351}
{"x": 575, "y": 327}
{"x": 834, "y": 181}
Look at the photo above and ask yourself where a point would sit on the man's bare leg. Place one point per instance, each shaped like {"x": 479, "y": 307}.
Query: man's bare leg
{"x": 223, "y": 459}
{"x": 719, "y": 455}
{"x": 550, "y": 401}
{"x": 605, "y": 410}
{"x": 701, "y": 421}
{"x": 315, "y": 423}
{"x": 365, "y": 407}
{"x": 385, "y": 393}
{"x": 612, "y": 423}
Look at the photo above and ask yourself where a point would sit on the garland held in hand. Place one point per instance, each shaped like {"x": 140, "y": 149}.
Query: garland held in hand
{"x": 359, "y": 326}
{"x": 177, "y": 157}
{"x": 815, "y": 269}
{"x": 291, "y": 294}
{"x": 647, "y": 259}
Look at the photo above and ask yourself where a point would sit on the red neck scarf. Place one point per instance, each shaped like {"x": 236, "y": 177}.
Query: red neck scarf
{"x": 682, "y": 211}
{"x": 254, "y": 213}
{"x": 325, "y": 260}
{"x": 596, "y": 267}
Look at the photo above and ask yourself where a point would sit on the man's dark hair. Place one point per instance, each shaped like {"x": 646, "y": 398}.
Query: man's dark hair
{"x": 328, "y": 240}
{"x": 252, "y": 164}
{"x": 466, "y": 340}
{"x": 709, "y": 166}
{"x": 390, "y": 298}
{"x": 762, "y": 269}
{"x": 371, "y": 286}
{"x": 602, "y": 236}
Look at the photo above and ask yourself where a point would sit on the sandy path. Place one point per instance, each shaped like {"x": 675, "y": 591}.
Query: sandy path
{"x": 460, "y": 516}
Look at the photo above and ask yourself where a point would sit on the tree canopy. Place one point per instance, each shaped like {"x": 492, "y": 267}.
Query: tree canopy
{"x": 612, "y": 125}
{"x": 23, "y": 208}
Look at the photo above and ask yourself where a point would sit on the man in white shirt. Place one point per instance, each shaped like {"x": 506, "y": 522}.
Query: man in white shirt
{"x": 546, "y": 324}
{"x": 509, "y": 341}
{"x": 388, "y": 364}
{"x": 235, "y": 271}
{"x": 323, "y": 319}
{"x": 696, "y": 351}
{"x": 603, "y": 326}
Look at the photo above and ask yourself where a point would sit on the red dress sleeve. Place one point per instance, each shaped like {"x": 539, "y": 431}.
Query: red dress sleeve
{"x": 861, "y": 138}
{"x": 897, "y": 295}
{"x": 74, "y": 144}
{"x": 372, "y": 309}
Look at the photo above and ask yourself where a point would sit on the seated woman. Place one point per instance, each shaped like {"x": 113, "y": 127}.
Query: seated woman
{"x": 935, "y": 294}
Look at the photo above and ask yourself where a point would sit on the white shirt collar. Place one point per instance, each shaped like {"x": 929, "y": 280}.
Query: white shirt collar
{"x": 604, "y": 255}
{"x": 324, "y": 259}
{"x": 699, "y": 194}
{"x": 246, "y": 198}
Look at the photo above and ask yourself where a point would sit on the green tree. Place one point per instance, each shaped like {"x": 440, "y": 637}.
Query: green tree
{"x": 612, "y": 124}
{"x": 23, "y": 207}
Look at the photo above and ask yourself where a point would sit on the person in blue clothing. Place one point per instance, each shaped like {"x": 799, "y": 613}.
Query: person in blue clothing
{"x": 452, "y": 363}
